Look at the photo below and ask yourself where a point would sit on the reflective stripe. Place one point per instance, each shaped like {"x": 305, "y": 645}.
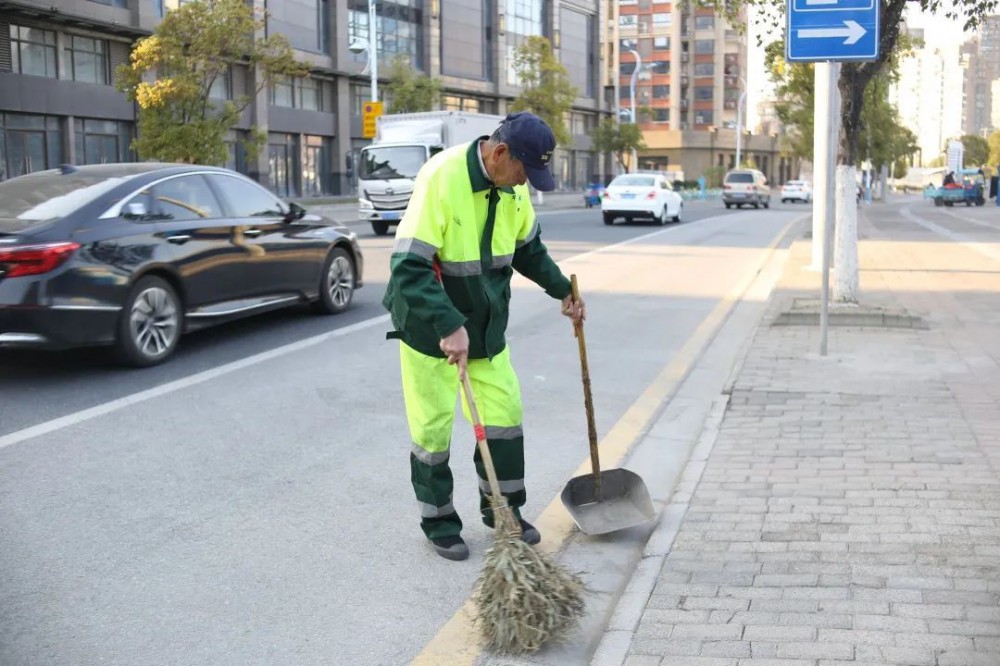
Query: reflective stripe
{"x": 531, "y": 234}
{"x": 506, "y": 487}
{"x": 431, "y": 511}
{"x": 504, "y": 432}
{"x": 461, "y": 268}
{"x": 414, "y": 246}
{"x": 503, "y": 260}
{"x": 429, "y": 457}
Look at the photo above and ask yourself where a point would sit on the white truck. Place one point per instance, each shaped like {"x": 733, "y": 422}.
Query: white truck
{"x": 403, "y": 142}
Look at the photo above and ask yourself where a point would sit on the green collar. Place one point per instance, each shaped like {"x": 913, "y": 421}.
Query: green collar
{"x": 477, "y": 178}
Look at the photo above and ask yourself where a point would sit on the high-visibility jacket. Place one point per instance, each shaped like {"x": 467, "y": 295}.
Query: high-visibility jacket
{"x": 456, "y": 249}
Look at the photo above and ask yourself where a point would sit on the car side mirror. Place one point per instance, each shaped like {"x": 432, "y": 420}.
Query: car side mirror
{"x": 135, "y": 211}
{"x": 295, "y": 212}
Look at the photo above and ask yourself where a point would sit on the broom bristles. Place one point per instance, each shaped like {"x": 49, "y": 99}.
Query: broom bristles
{"x": 523, "y": 598}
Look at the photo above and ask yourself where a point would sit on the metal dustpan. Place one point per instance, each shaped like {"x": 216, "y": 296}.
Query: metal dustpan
{"x": 609, "y": 501}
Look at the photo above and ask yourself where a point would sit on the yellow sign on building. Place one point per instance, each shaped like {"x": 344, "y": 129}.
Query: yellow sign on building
{"x": 369, "y": 112}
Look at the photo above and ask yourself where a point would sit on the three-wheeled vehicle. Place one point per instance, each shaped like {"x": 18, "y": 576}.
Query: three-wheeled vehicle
{"x": 969, "y": 187}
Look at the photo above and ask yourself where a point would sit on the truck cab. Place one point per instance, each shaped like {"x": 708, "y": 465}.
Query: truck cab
{"x": 403, "y": 143}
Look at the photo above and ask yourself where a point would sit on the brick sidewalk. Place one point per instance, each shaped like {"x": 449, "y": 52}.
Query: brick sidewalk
{"x": 849, "y": 510}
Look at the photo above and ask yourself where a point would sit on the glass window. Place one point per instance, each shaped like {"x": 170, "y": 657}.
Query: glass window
{"x": 359, "y": 95}
{"x": 31, "y": 143}
{"x": 704, "y": 69}
{"x": 399, "y": 29}
{"x": 661, "y": 92}
{"x": 392, "y": 162}
{"x": 33, "y": 51}
{"x": 663, "y": 19}
{"x": 282, "y": 92}
{"x": 524, "y": 17}
{"x": 660, "y": 66}
{"x": 97, "y": 141}
{"x": 185, "y": 198}
{"x": 315, "y": 165}
{"x": 221, "y": 86}
{"x": 661, "y": 42}
{"x": 661, "y": 115}
{"x": 704, "y": 46}
{"x": 51, "y": 195}
{"x": 309, "y": 96}
{"x": 86, "y": 59}
{"x": 703, "y": 93}
{"x": 246, "y": 199}
{"x": 628, "y": 21}
{"x": 702, "y": 117}
{"x": 704, "y": 22}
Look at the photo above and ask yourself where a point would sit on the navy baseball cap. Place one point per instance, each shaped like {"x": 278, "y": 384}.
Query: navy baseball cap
{"x": 531, "y": 141}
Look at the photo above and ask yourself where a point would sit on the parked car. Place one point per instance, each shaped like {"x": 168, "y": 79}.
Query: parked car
{"x": 133, "y": 255}
{"x": 639, "y": 195}
{"x": 745, "y": 186}
{"x": 797, "y": 190}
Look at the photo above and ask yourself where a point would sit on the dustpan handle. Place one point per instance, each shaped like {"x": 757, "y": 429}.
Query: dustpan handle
{"x": 484, "y": 449}
{"x": 588, "y": 399}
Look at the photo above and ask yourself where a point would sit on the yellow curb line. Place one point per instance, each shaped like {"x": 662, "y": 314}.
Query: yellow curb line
{"x": 457, "y": 643}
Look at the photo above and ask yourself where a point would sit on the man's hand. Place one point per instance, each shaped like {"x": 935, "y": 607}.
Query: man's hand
{"x": 575, "y": 310}
{"x": 456, "y": 348}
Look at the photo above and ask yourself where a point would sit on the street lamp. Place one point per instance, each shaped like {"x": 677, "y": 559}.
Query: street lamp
{"x": 370, "y": 45}
{"x": 635, "y": 120}
{"x": 739, "y": 122}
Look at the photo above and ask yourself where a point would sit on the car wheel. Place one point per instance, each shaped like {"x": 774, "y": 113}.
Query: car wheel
{"x": 728, "y": 206}
{"x": 336, "y": 283}
{"x": 784, "y": 201}
{"x": 767, "y": 202}
{"x": 756, "y": 204}
{"x": 380, "y": 227}
{"x": 664, "y": 216}
{"x": 677, "y": 217}
{"x": 609, "y": 218}
{"x": 150, "y": 323}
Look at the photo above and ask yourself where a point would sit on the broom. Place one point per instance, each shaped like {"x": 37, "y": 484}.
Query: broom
{"x": 523, "y": 598}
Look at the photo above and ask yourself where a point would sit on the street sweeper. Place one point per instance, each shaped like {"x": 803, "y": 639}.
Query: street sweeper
{"x": 469, "y": 225}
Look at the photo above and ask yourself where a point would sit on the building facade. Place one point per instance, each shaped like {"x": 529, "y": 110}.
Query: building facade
{"x": 687, "y": 89}
{"x": 59, "y": 104}
{"x": 979, "y": 59}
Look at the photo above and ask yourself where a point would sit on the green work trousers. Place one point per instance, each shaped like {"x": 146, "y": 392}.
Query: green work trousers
{"x": 430, "y": 388}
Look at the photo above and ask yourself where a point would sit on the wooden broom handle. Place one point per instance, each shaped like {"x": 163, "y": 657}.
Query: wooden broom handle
{"x": 484, "y": 449}
{"x": 588, "y": 398}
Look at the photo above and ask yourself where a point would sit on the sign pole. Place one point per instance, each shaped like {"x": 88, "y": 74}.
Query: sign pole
{"x": 824, "y": 206}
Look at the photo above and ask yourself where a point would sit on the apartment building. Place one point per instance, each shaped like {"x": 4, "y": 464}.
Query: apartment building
{"x": 688, "y": 87}
{"x": 58, "y": 103}
{"x": 980, "y": 60}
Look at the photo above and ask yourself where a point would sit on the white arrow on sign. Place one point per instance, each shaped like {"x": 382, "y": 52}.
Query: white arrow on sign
{"x": 851, "y": 30}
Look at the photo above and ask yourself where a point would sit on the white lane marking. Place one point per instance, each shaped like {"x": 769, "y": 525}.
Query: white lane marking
{"x": 75, "y": 418}
{"x": 984, "y": 250}
{"x": 106, "y": 408}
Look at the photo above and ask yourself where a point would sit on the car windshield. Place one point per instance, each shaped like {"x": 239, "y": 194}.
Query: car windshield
{"x": 739, "y": 178}
{"x": 795, "y": 183}
{"x": 391, "y": 162}
{"x": 633, "y": 181}
{"x": 51, "y": 195}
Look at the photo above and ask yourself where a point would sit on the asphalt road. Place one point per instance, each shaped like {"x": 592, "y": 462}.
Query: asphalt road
{"x": 249, "y": 501}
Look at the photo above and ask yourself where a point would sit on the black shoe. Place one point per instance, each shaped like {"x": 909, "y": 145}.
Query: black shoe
{"x": 529, "y": 534}
{"x": 451, "y": 547}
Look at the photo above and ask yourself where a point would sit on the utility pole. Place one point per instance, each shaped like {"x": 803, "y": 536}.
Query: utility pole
{"x": 635, "y": 118}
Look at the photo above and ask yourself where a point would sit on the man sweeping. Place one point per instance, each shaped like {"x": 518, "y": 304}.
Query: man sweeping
{"x": 468, "y": 226}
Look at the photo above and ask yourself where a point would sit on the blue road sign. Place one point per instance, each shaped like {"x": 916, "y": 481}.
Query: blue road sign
{"x": 834, "y": 30}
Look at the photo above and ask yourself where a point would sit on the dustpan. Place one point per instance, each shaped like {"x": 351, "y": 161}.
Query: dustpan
{"x": 602, "y": 502}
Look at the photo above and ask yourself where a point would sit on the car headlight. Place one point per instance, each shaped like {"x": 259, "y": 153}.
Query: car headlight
{"x": 365, "y": 204}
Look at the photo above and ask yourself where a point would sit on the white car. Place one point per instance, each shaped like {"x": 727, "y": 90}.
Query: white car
{"x": 641, "y": 195}
{"x": 796, "y": 190}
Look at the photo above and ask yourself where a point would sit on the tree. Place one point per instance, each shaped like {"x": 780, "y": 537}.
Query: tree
{"x": 994, "y": 146}
{"x": 883, "y": 139}
{"x": 409, "y": 91}
{"x": 193, "y": 47}
{"x": 619, "y": 139}
{"x": 545, "y": 87}
{"x": 977, "y": 150}
{"x": 855, "y": 76}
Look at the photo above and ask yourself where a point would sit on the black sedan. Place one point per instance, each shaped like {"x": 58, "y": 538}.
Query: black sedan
{"x": 132, "y": 255}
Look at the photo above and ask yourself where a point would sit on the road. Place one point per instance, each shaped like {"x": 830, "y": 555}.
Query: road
{"x": 249, "y": 502}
